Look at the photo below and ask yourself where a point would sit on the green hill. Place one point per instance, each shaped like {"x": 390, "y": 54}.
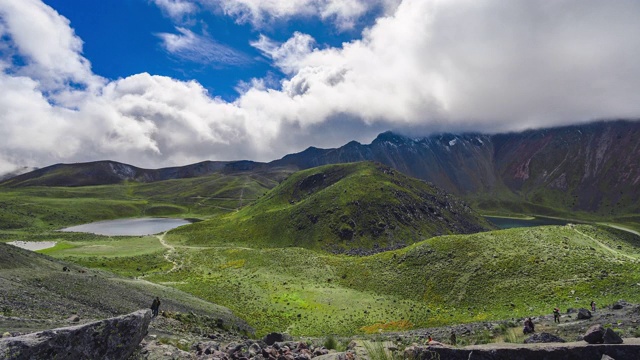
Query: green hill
{"x": 355, "y": 207}
{"x": 43, "y": 207}
{"x": 442, "y": 280}
{"x": 38, "y": 294}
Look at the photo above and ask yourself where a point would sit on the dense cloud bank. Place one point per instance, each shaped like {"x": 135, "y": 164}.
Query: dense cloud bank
{"x": 424, "y": 66}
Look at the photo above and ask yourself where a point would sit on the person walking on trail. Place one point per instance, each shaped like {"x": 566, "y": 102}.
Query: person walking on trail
{"x": 453, "y": 338}
{"x": 593, "y": 306}
{"x": 155, "y": 306}
{"x": 556, "y": 315}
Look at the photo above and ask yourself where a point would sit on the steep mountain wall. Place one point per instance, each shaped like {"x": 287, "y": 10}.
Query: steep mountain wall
{"x": 593, "y": 167}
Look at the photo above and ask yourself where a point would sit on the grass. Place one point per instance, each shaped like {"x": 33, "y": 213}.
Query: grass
{"x": 439, "y": 281}
{"x": 260, "y": 264}
{"x": 497, "y": 275}
{"x": 340, "y": 208}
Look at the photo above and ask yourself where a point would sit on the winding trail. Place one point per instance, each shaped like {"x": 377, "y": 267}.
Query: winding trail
{"x": 170, "y": 250}
{"x": 615, "y": 252}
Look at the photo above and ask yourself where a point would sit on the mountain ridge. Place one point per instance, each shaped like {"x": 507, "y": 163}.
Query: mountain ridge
{"x": 590, "y": 168}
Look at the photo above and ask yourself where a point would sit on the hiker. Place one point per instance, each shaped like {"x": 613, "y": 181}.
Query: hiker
{"x": 593, "y": 306}
{"x": 556, "y": 315}
{"x": 429, "y": 339}
{"x": 155, "y": 305}
{"x": 453, "y": 338}
{"x": 528, "y": 327}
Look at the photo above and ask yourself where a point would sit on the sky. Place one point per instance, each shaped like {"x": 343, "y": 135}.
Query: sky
{"x": 157, "y": 83}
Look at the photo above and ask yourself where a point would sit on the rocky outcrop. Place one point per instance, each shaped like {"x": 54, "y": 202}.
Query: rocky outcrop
{"x": 584, "y": 314}
{"x": 114, "y": 338}
{"x": 247, "y": 349}
{"x": 597, "y": 334}
{"x": 543, "y": 338}
{"x": 611, "y": 337}
{"x": 566, "y": 351}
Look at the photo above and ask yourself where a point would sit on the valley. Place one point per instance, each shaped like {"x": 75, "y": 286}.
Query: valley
{"x": 269, "y": 263}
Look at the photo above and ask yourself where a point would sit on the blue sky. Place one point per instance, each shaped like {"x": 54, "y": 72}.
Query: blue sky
{"x": 122, "y": 38}
{"x": 158, "y": 83}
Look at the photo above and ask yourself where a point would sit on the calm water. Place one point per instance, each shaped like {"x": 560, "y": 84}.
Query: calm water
{"x": 508, "y": 223}
{"x": 33, "y": 245}
{"x": 129, "y": 227}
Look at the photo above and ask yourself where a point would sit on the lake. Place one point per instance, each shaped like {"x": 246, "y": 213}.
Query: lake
{"x": 129, "y": 227}
{"x": 508, "y": 223}
{"x": 33, "y": 245}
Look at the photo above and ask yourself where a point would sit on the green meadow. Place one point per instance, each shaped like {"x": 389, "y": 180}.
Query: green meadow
{"x": 249, "y": 259}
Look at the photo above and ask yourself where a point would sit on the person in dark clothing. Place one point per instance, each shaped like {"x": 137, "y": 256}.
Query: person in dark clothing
{"x": 155, "y": 306}
{"x": 593, "y": 306}
{"x": 556, "y": 315}
{"x": 453, "y": 338}
{"x": 528, "y": 326}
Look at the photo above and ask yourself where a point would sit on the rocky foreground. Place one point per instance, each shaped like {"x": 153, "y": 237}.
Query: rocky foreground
{"x": 139, "y": 336}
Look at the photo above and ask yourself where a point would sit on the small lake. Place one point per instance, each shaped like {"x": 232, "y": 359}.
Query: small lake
{"x": 508, "y": 223}
{"x": 33, "y": 245}
{"x": 129, "y": 227}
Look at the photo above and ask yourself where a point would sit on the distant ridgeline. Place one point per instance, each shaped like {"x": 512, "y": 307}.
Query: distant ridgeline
{"x": 591, "y": 168}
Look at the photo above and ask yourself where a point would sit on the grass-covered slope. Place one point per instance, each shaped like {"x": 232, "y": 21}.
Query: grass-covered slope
{"x": 34, "y": 286}
{"x": 442, "y": 280}
{"x": 358, "y": 206}
{"x": 42, "y": 207}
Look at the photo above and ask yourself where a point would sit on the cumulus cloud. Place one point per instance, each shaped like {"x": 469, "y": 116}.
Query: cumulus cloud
{"x": 52, "y": 50}
{"x": 430, "y": 65}
{"x": 200, "y": 48}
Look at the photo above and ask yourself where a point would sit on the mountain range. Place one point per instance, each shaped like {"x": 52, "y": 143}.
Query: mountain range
{"x": 592, "y": 168}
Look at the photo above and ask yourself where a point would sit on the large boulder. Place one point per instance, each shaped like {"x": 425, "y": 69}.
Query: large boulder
{"x": 543, "y": 338}
{"x": 611, "y": 337}
{"x": 584, "y": 314}
{"x": 275, "y": 337}
{"x": 114, "y": 338}
{"x": 594, "y": 334}
{"x": 619, "y": 305}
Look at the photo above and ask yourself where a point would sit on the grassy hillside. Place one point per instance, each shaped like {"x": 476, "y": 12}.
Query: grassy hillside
{"x": 38, "y": 208}
{"x": 363, "y": 206}
{"x": 442, "y": 280}
{"x": 35, "y": 286}
{"x": 265, "y": 261}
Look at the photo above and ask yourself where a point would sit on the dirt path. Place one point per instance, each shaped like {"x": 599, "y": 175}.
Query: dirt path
{"x": 613, "y": 251}
{"x": 620, "y": 228}
{"x": 170, "y": 250}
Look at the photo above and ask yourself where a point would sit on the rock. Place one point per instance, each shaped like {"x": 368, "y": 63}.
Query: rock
{"x": 527, "y": 352}
{"x": 543, "y": 338}
{"x": 254, "y": 349}
{"x": 114, "y": 338}
{"x": 594, "y": 334}
{"x": 584, "y": 314}
{"x": 611, "y": 337}
{"x": 205, "y": 348}
{"x": 619, "y": 304}
{"x": 273, "y": 338}
{"x": 74, "y": 318}
{"x": 606, "y": 357}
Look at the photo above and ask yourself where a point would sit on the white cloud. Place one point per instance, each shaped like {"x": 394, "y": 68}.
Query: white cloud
{"x": 45, "y": 38}
{"x": 344, "y": 14}
{"x": 176, "y": 9}
{"x": 286, "y": 56}
{"x": 200, "y": 49}
{"x": 454, "y": 65}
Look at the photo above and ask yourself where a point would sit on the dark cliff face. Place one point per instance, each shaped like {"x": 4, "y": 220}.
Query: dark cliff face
{"x": 592, "y": 167}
